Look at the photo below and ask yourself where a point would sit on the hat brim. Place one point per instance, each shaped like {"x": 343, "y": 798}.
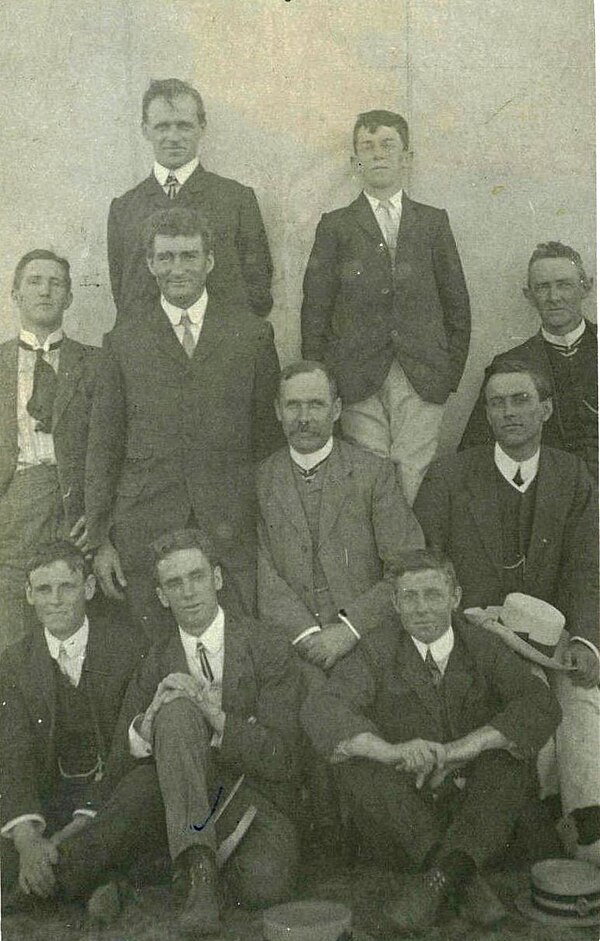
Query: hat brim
{"x": 488, "y": 619}
{"x": 526, "y": 907}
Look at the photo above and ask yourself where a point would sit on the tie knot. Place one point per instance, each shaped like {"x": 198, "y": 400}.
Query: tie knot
{"x": 386, "y": 205}
{"x": 185, "y": 319}
{"x": 518, "y": 478}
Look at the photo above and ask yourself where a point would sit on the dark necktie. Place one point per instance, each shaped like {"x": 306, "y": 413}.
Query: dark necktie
{"x": 204, "y": 664}
{"x": 172, "y": 185}
{"x": 434, "y": 671}
{"x": 388, "y": 225}
{"x": 45, "y": 382}
{"x": 187, "y": 341}
{"x": 518, "y": 478}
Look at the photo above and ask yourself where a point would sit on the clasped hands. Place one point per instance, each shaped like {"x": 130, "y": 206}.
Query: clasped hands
{"x": 328, "y": 645}
{"x": 206, "y": 695}
{"x": 431, "y": 762}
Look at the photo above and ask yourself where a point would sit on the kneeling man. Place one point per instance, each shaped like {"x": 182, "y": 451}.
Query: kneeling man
{"x": 435, "y": 726}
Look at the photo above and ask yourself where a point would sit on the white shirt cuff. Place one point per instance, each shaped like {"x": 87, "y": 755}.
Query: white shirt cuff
{"x": 588, "y": 643}
{"x": 8, "y": 827}
{"x": 85, "y": 812}
{"x": 138, "y": 746}
{"x": 344, "y": 620}
{"x": 306, "y": 633}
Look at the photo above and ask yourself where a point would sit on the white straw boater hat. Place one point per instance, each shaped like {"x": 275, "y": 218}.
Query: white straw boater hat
{"x": 562, "y": 892}
{"x": 528, "y": 625}
{"x": 308, "y": 921}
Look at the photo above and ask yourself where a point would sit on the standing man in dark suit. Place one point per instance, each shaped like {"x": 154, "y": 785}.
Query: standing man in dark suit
{"x": 215, "y": 700}
{"x": 333, "y": 521}
{"x": 61, "y": 689}
{"x": 173, "y": 122}
{"x": 435, "y": 725}
{"x": 46, "y": 387}
{"x": 183, "y": 411}
{"x": 565, "y": 348}
{"x": 386, "y": 306}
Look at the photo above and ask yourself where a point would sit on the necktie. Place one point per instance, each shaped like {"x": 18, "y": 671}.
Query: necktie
{"x": 388, "y": 225}
{"x": 62, "y": 661}
{"x": 45, "y": 382}
{"x": 172, "y": 185}
{"x": 309, "y": 474}
{"x": 188, "y": 343}
{"x": 204, "y": 664}
{"x": 434, "y": 671}
{"x": 518, "y": 478}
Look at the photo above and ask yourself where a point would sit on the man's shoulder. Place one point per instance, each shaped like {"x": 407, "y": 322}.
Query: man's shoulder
{"x": 454, "y": 468}
{"x": 362, "y": 462}
{"x": 224, "y": 184}
{"x": 380, "y": 646}
{"x": 112, "y": 638}
{"x": 132, "y": 195}
{"x": 16, "y": 660}
{"x": 531, "y": 349}
{"x": 562, "y": 462}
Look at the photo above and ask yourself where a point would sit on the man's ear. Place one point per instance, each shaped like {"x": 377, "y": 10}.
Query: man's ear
{"x": 529, "y": 296}
{"x": 277, "y": 408}
{"x": 90, "y": 587}
{"x": 162, "y": 597}
{"x": 337, "y": 409}
{"x": 28, "y": 592}
{"x": 547, "y": 409}
{"x": 210, "y": 262}
{"x": 457, "y": 597}
{"x": 218, "y": 577}
{"x": 150, "y": 268}
{"x": 356, "y": 164}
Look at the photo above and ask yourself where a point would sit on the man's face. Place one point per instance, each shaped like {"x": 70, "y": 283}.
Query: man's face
{"x": 43, "y": 295}
{"x": 515, "y": 412}
{"x": 556, "y": 292}
{"x": 180, "y": 266}
{"x": 425, "y": 601}
{"x": 174, "y": 130}
{"x": 188, "y": 585}
{"x": 380, "y": 159}
{"x": 307, "y": 411}
{"x": 59, "y": 596}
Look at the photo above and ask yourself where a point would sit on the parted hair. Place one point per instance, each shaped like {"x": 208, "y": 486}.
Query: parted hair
{"x": 43, "y": 254}
{"x": 371, "y": 120}
{"x": 179, "y": 540}
{"x": 425, "y": 560}
{"x": 303, "y": 366}
{"x": 60, "y": 550}
{"x": 170, "y": 88}
{"x": 176, "y": 221}
{"x": 508, "y": 363}
{"x": 559, "y": 250}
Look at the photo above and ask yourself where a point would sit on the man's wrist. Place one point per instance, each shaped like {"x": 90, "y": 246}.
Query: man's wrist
{"x": 25, "y": 833}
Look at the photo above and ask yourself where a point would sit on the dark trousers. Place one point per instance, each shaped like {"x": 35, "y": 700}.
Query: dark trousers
{"x": 160, "y": 806}
{"x": 408, "y": 825}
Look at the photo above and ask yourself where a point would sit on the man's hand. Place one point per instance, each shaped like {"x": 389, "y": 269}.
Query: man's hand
{"x": 174, "y": 686}
{"x": 108, "y": 571}
{"x": 74, "y": 826}
{"x": 37, "y": 856}
{"x": 419, "y": 757}
{"x": 327, "y": 646}
{"x": 586, "y": 663}
{"x": 79, "y": 535}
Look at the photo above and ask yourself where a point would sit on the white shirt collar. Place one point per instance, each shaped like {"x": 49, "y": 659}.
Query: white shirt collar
{"x": 75, "y": 645}
{"x": 181, "y": 173}
{"x": 308, "y": 461}
{"x": 32, "y": 340}
{"x": 508, "y": 467}
{"x": 195, "y": 312}
{"x": 440, "y": 648}
{"x": 396, "y": 200}
{"x": 568, "y": 338}
{"x": 213, "y": 637}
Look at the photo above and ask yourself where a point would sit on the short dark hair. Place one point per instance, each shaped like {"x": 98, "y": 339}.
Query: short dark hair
{"x": 559, "y": 250}
{"x": 182, "y": 539}
{"x": 45, "y": 255}
{"x": 176, "y": 221}
{"x": 170, "y": 88}
{"x": 505, "y": 364}
{"x": 425, "y": 560}
{"x": 303, "y": 366}
{"x": 371, "y": 120}
{"x": 60, "y": 550}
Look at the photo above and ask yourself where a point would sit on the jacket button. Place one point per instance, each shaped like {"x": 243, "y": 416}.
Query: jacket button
{"x": 385, "y": 291}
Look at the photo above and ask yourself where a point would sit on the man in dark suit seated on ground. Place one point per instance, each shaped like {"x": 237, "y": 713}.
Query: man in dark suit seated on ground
{"x": 46, "y": 387}
{"x": 173, "y": 122}
{"x": 216, "y": 700}
{"x": 435, "y": 725}
{"x": 565, "y": 348}
{"x": 61, "y": 689}
{"x": 386, "y": 306}
{"x": 332, "y": 521}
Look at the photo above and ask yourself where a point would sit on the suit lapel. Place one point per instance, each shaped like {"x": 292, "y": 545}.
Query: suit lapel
{"x": 8, "y": 395}
{"x": 235, "y": 664}
{"x": 411, "y": 672}
{"x": 40, "y": 679}
{"x": 406, "y": 232}
{"x": 549, "y": 512}
{"x": 458, "y": 681}
{"x": 365, "y": 217}
{"x": 174, "y": 655}
{"x": 335, "y": 491}
{"x": 215, "y": 334}
{"x": 69, "y": 374}
{"x": 164, "y": 338}
{"x": 286, "y": 494}
{"x": 481, "y": 475}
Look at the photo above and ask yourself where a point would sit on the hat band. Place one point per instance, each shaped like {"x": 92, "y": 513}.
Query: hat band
{"x": 546, "y": 649}
{"x": 565, "y": 906}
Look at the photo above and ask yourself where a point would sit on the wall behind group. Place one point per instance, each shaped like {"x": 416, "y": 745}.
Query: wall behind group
{"x": 499, "y": 97}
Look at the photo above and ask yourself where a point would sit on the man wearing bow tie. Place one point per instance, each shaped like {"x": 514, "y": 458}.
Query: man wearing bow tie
{"x": 46, "y": 387}
{"x": 183, "y": 410}
{"x": 173, "y": 122}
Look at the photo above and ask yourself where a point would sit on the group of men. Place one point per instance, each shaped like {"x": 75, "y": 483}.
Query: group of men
{"x": 271, "y": 602}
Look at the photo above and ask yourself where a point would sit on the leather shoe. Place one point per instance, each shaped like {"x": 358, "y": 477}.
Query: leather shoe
{"x": 196, "y": 879}
{"x": 419, "y": 907}
{"x": 480, "y": 904}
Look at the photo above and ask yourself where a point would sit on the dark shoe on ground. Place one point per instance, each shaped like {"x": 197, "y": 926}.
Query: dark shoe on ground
{"x": 18, "y": 902}
{"x": 196, "y": 882}
{"x": 480, "y": 904}
{"x": 423, "y": 897}
{"x": 105, "y": 904}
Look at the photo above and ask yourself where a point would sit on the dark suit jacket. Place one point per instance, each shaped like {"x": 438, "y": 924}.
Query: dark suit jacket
{"x": 458, "y": 509}
{"x": 28, "y": 770}
{"x": 169, "y": 434}
{"x": 243, "y": 269}
{"x": 365, "y": 524}
{"x": 72, "y": 407}
{"x": 260, "y": 696}
{"x": 384, "y": 687}
{"x": 555, "y": 433}
{"x": 358, "y": 312}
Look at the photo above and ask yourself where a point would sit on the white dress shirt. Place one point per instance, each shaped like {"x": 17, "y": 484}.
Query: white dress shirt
{"x": 395, "y": 211}
{"x": 34, "y": 447}
{"x": 196, "y": 314}
{"x": 568, "y": 338}
{"x": 181, "y": 174}
{"x": 213, "y": 639}
{"x": 440, "y": 649}
{"x": 509, "y": 467}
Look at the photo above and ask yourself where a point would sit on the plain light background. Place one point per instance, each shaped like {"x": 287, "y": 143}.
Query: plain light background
{"x": 499, "y": 97}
